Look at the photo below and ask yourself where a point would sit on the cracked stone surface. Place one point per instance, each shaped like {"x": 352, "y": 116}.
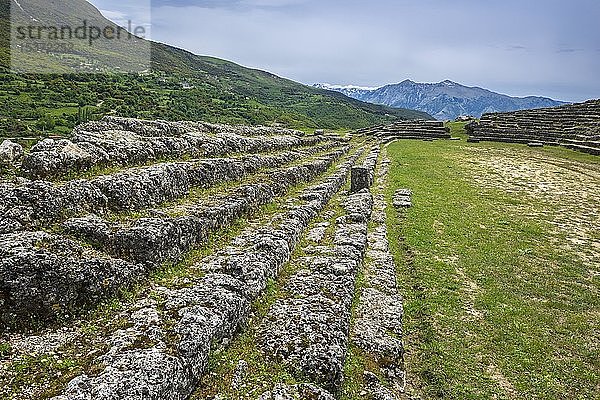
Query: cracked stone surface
{"x": 175, "y": 336}
{"x": 29, "y": 204}
{"x": 402, "y": 198}
{"x": 10, "y": 153}
{"x": 156, "y": 240}
{"x": 308, "y": 331}
{"x": 43, "y": 276}
{"x": 133, "y": 249}
{"x": 297, "y": 392}
{"x": 377, "y": 327}
{"x": 123, "y": 141}
{"x": 317, "y": 234}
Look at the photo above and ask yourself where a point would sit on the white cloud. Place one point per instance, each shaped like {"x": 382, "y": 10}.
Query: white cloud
{"x": 511, "y": 46}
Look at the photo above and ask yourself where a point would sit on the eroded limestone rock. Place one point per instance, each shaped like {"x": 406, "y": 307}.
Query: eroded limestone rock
{"x": 192, "y": 320}
{"x": 43, "y": 277}
{"x": 377, "y": 328}
{"x": 10, "y": 152}
{"x": 402, "y": 198}
{"x": 121, "y": 141}
{"x": 308, "y": 330}
{"x": 297, "y": 392}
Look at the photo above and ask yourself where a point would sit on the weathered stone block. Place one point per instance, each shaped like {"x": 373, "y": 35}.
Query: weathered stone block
{"x": 207, "y": 311}
{"x": 360, "y": 179}
{"x": 10, "y": 152}
{"x": 402, "y": 198}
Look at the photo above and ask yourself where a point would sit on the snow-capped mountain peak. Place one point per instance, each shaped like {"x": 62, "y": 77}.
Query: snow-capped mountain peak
{"x": 343, "y": 87}
{"x": 443, "y": 100}
{"x": 349, "y": 90}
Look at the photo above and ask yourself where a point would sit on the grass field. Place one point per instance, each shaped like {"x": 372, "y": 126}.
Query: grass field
{"x": 499, "y": 262}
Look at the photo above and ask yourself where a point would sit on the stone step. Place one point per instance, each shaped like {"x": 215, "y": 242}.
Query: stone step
{"x": 307, "y": 330}
{"x": 590, "y": 143}
{"x": 140, "y": 247}
{"x": 29, "y": 205}
{"x": 175, "y": 335}
{"x": 585, "y": 149}
{"x": 377, "y": 328}
{"x": 513, "y": 140}
{"x": 165, "y": 236}
{"x": 576, "y": 126}
{"x": 409, "y": 129}
{"x": 157, "y": 128}
{"x": 95, "y": 145}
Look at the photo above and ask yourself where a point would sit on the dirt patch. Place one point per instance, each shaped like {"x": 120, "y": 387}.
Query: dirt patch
{"x": 471, "y": 290}
{"x": 566, "y": 192}
{"x": 497, "y": 376}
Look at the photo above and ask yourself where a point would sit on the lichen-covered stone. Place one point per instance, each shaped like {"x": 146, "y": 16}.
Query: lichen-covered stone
{"x": 153, "y": 241}
{"x": 206, "y": 313}
{"x": 191, "y": 321}
{"x": 402, "y": 198}
{"x": 304, "y": 391}
{"x": 308, "y": 331}
{"x": 43, "y": 277}
{"x": 56, "y": 157}
{"x": 10, "y": 153}
{"x": 377, "y": 327}
{"x": 118, "y": 141}
{"x": 91, "y": 228}
{"x": 376, "y": 389}
{"x": 360, "y": 179}
{"x": 379, "y": 314}
{"x": 35, "y": 204}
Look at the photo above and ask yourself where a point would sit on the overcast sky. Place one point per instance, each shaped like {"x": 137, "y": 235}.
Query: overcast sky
{"x": 517, "y": 47}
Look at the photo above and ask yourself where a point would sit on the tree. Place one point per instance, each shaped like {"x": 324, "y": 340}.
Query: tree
{"x": 83, "y": 114}
{"x": 46, "y": 123}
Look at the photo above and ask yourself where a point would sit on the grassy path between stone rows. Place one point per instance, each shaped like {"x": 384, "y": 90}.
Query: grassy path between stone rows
{"x": 263, "y": 373}
{"x": 499, "y": 263}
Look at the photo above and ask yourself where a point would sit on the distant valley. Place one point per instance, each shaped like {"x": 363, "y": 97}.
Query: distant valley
{"x": 444, "y": 100}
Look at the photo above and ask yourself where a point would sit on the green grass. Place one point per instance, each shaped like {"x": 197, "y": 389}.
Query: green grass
{"x": 357, "y": 362}
{"x": 457, "y": 129}
{"x": 5, "y": 349}
{"x": 493, "y": 307}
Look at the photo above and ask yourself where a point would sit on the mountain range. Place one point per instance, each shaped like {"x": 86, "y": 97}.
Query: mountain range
{"x": 444, "y": 100}
{"x": 178, "y": 85}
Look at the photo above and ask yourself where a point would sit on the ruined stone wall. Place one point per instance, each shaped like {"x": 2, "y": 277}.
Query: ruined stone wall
{"x": 124, "y": 200}
{"x": 418, "y": 130}
{"x": 575, "y": 126}
{"x": 70, "y": 236}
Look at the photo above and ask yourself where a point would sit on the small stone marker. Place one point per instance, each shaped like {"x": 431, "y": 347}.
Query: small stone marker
{"x": 535, "y": 144}
{"x": 320, "y": 132}
{"x": 402, "y": 198}
{"x": 360, "y": 179}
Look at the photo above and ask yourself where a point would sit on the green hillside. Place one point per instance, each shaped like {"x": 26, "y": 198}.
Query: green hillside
{"x": 215, "y": 90}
